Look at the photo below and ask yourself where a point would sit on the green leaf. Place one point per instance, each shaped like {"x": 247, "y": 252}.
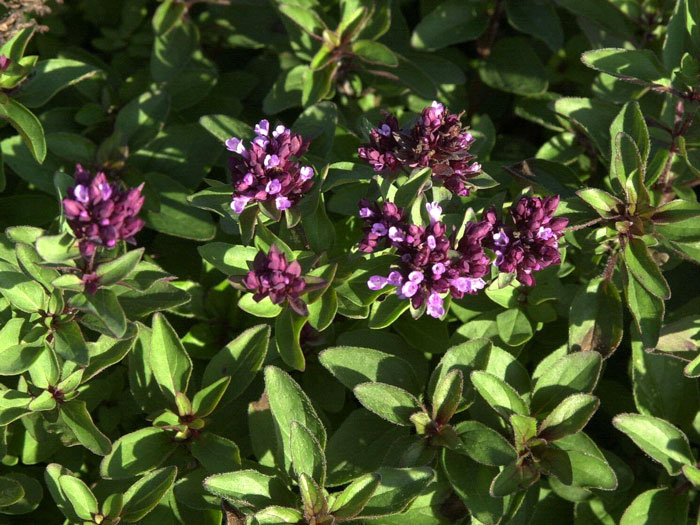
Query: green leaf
{"x": 568, "y": 417}
{"x": 633, "y": 65}
{"x": 391, "y": 403}
{"x": 140, "y": 121}
{"x": 249, "y": 486}
{"x": 18, "y": 358}
{"x": 591, "y": 115}
{"x": 170, "y": 361}
{"x": 174, "y": 215}
{"x": 143, "y": 496}
{"x": 23, "y": 293}
{"x": 75, "y": 414}
{"x": 11, "y": 491}
{"x": 13, "y": 405}
{"x": 385, "y": 312}
{"x": 451, "y": 22}
{"x": 316, "y": 84}
{"x": 80, "y": 496}
{"x": 397, "y": 489}
{"x": 14, "y": 47}
{"x": 323, "y": 311}
{"x": 538, "y": 19}
{"x": 465, "y": 357}
{"x": 660, "y": 505}
{"x": 355, "y": 496}
{"x": 354, "y": 365}
{"x": 52, "y": 476}
{"x": 104, "y": 305}
{"x": 120, "y": 268}
{"x": 483, "y": 444}
{"x": 224, "y": 127}
{"x": 307, "y": 454}
{"x": 207, "y": 399}
{"x": 647, "y": 310}
{"x": 313, "y": 499}
{"x": 595, "y": 318}
{"x": 606, "y": 205}
{"x": 288, "y": 327}
{"x": 112, "y": 506}
{"x": 166, "y": 16}
{"x": 288, "y": 403}
{"x": 570, "y": 374}
{"x": 411, "y": 189}
{"x": 138, "y": 452}
{"x": 603, "y": 13}
{"x": 227, "y": 258}
{"x": 265, "y": 308}
{"x": 513, "y": 66}
{"x": 240, "y": 359}
{"x": 69, "y": 343}
{"x": 630, "y": 120}
{"x": 306, "y": 19}
{"x": 51, "y": 76}
{"x": 498, "y": 394}
{"x": 514, "y": 327}
{"x": 658, "y": 438}
{"x": 643, "y": 268}
{"x": 57, "y": 248}
{"x": 216, "y": 454}
{"x": 513, "y": 478}
{"x": 375, "y": 53}
{"x": 447, "y": 396}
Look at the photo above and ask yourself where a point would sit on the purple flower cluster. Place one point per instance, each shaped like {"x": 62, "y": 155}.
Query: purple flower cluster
{"x": 5, "y": 62}
{"x": 268, "y": 171}
{"x": 100, "y": 213}
{"x": 437, "y": 140}
{"x": 532, "y": 242}
{"x": 430, "y": 266}
{"x": 383, "y": 225}
{"x": 272, "y": 276}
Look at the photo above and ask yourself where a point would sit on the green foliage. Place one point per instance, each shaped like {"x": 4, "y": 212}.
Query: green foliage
{"x": 157, "y": 384}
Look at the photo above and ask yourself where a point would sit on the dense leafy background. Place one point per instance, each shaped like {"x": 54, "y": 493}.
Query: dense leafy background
{"x": 592, "y": 100}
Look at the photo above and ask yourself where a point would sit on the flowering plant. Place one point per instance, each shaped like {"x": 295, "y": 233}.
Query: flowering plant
{"x": 354, "y": 261}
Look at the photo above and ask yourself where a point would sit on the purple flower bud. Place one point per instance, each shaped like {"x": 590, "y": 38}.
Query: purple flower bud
{"x": 366, "y": 213}
{"x": 248, "y": 179}
{"x": 416, "y": 277}
{"x": 435, "y": 306}
{"x": 409, "y": 289}
{"x": 434, "y": 210}
{"x": 235, "y": 144}
{"x": 82, "y": 194}
{"x": 282, "y": 203}
{"x": 279, "y": 130}
{"x": 439, "y": 108}
{"x": 263, "y": 127}
{"x": 376, "y": 282}
{"x": 239, "y": 203}
{"x": 545, "y": 233}
{"x": 271, "y": 161}
{"x": 394, "y": 278}
{"x": 396, "y": 235}
{"x": 384, "y": 130}
{"x": 379, "y": 229}
{"x": 273, "y": 187}
{"x": 4, "y": 63}
{"x": 306, "y": 173}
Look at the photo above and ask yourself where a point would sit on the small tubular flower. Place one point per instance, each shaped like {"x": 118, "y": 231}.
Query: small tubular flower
{"x": 531, "y": 243}
{"x": 437, "y": 140}
{"x": 100, "y": 213}
{"x": 268, "y": 170}
{"x": 384, "y": 225}
{"x": 274, "y": 277}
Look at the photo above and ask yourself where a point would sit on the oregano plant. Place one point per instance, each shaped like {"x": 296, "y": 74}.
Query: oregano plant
{"x": 350, "y": 261}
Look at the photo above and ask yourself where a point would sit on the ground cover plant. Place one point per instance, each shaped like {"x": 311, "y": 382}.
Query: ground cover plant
{"x": 350, "y": 261}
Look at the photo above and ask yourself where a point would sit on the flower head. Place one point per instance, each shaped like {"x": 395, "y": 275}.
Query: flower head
{"x": 384, "y": 225}
{"x": 274, "y": 277}
{"x": 100, "y": 213}
{"x": 437, "y": 140}
{"x": 532, "y": 242}
{"x": 269, "y": 169}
